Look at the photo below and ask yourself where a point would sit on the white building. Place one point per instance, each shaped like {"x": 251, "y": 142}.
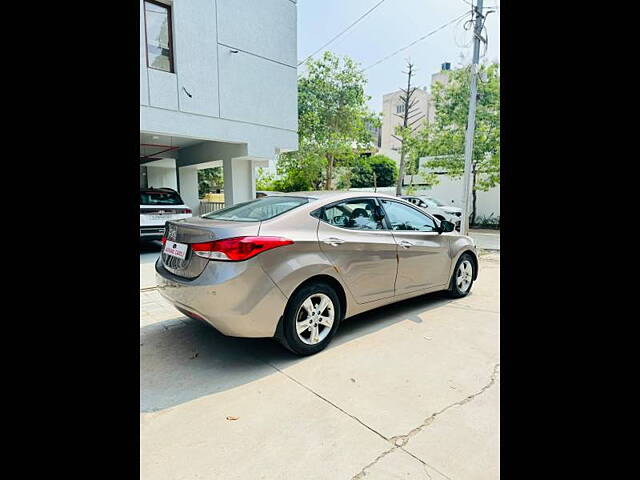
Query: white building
{"x": 393, "y": 108}
{"x": 218, "y": 87}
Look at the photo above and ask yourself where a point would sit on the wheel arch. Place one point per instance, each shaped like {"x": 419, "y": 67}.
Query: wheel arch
{"x": 474, "y": 258}
{"x": 333, "y": 283}
{"x": 329, "y": 280}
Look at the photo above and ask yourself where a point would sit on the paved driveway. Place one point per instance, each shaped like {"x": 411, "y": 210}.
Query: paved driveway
{"x": 149, "y": 253}
{"x": 406, "y": 391}
{"x": 486, "y": 239}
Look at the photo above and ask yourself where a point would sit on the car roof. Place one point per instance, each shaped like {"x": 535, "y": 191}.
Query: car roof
{"x": 335, "y": 194}
{"x": 164, "y": 189}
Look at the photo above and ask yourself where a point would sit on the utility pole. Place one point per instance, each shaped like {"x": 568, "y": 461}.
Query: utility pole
{"x": 471, "y": 121}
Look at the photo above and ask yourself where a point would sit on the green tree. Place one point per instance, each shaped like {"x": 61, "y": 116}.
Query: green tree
{"x": 264, "y": 180}
{"x": 360, "y": 174}
{"x": 385, "y": 169}
{"x": 444, "y": 138}
{"x": 332, "y": 122}
{"x": 209, "y": 179}
{"x": 299, "y": 171}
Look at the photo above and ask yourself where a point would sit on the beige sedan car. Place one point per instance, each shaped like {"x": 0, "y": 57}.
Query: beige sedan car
{"x": 294, "y": 266}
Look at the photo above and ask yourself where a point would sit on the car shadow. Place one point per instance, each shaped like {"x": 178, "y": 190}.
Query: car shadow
{"x": 150, "y": 246}
{"x": 184, "y": 359}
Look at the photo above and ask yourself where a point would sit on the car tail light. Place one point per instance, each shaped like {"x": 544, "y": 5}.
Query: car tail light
{"x": 164, "y": 239}
{"x": 185, "y": 210}
{"x": 238, "y": 248}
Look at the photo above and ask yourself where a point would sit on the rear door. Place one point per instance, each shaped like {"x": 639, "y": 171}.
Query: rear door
{"x": 423, "y": 253}
{"x": 359, "y": 246}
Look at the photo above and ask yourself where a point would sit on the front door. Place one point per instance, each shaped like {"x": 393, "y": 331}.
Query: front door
{"x": 423, "y": 253}
{"x": 363, "y": 252}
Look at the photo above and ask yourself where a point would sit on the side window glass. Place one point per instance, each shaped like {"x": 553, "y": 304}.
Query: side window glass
{"x": 357, "y": 214}
{"x": 403, "y": 217}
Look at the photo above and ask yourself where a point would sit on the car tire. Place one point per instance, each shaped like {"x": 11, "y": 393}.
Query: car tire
{"x": 296, "y": 315}
{"x": 463, "y": 277}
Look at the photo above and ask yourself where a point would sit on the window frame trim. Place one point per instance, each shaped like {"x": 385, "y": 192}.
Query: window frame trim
{"x": 169, "y": 8}
{"x": 385, "y": 222}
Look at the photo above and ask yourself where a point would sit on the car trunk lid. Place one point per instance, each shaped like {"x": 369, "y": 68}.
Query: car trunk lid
{"x": 199, "y": 230}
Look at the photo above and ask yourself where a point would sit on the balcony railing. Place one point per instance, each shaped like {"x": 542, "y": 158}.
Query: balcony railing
{"x": 206, "y": 207}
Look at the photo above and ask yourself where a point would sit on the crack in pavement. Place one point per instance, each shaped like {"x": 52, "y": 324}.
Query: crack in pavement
{"x": 400, "y": 441}
{"x": 425, "y": 464}
{"x": 328, "y": 401}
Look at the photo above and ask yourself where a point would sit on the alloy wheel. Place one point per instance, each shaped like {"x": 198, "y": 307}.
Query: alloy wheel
{"x": 464, "y": 276}
{"x": 315, "y": 318}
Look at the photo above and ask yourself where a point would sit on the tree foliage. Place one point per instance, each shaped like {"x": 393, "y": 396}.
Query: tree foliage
{"x": 209, "y": 179}
{"x": 385, "y": 169}
{"x": 445, "y": 137}
{"x": 332, "y": 121}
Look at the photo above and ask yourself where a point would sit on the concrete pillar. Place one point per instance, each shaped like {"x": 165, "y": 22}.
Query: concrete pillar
{"x": 239, "y": 180}
{"x": 162, "y": 177}
{"x": 189, "y": 188}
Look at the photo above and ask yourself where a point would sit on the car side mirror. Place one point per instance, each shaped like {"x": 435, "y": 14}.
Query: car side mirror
{"x": 446, "y": 226}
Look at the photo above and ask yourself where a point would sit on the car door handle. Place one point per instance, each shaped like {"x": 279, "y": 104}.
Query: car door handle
{"x": 405, "y": 243}
{"x": 333, "y": 241}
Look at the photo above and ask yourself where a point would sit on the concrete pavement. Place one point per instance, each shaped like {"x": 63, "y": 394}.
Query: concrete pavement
{"x": 409, "y": 390}
{"x": 149, "y": 253}
{"x": 486, "y": 239}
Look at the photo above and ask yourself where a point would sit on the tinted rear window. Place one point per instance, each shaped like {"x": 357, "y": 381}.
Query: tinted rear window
{"x": 257, "y": 210}
{"x": 159, "y": 198}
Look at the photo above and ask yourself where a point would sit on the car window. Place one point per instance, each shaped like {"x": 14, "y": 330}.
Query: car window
{"x": 159, "y": 197}
{"x": 257, "y": 210}
{"x": 403, "y": 217}
{"x": 434, "y": 202}
{"x": 357, "y": 214}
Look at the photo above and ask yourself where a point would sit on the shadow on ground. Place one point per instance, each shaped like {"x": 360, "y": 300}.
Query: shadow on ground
{"x": 184, "y": 360}
{"x": 153, "y": 246}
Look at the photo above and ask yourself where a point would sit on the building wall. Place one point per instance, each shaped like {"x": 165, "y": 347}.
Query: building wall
{"x": 450, "y": 191}
{"x": 390, "y": 120}
{"x": 215, "y": 94}
{"x": 189, "y": 188}
{"x": 161, "y": 177}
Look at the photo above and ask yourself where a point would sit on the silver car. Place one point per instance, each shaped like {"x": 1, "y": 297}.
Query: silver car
{"x": 294, "y": 266}
{"x": 436, "y": 208}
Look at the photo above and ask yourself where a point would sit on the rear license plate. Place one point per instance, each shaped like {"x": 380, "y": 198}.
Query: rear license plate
{"x": 162, "y": 218}
{"x": 176, "y": 249}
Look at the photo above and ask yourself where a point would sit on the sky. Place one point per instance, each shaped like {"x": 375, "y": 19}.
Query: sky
{"x": 392, "y": 25}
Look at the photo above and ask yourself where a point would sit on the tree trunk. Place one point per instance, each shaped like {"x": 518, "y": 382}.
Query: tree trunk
{"x": 400, "y": 175}
{"x": 329, "y": 172}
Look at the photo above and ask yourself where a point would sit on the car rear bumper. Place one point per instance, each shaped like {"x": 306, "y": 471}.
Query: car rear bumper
{"x": 236, "y": 298}
{"x": 152, "y": 232}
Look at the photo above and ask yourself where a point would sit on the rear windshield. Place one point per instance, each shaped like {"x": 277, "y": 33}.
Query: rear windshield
{"x": 257, "y": 210}
{"x": 159, "y": 198}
